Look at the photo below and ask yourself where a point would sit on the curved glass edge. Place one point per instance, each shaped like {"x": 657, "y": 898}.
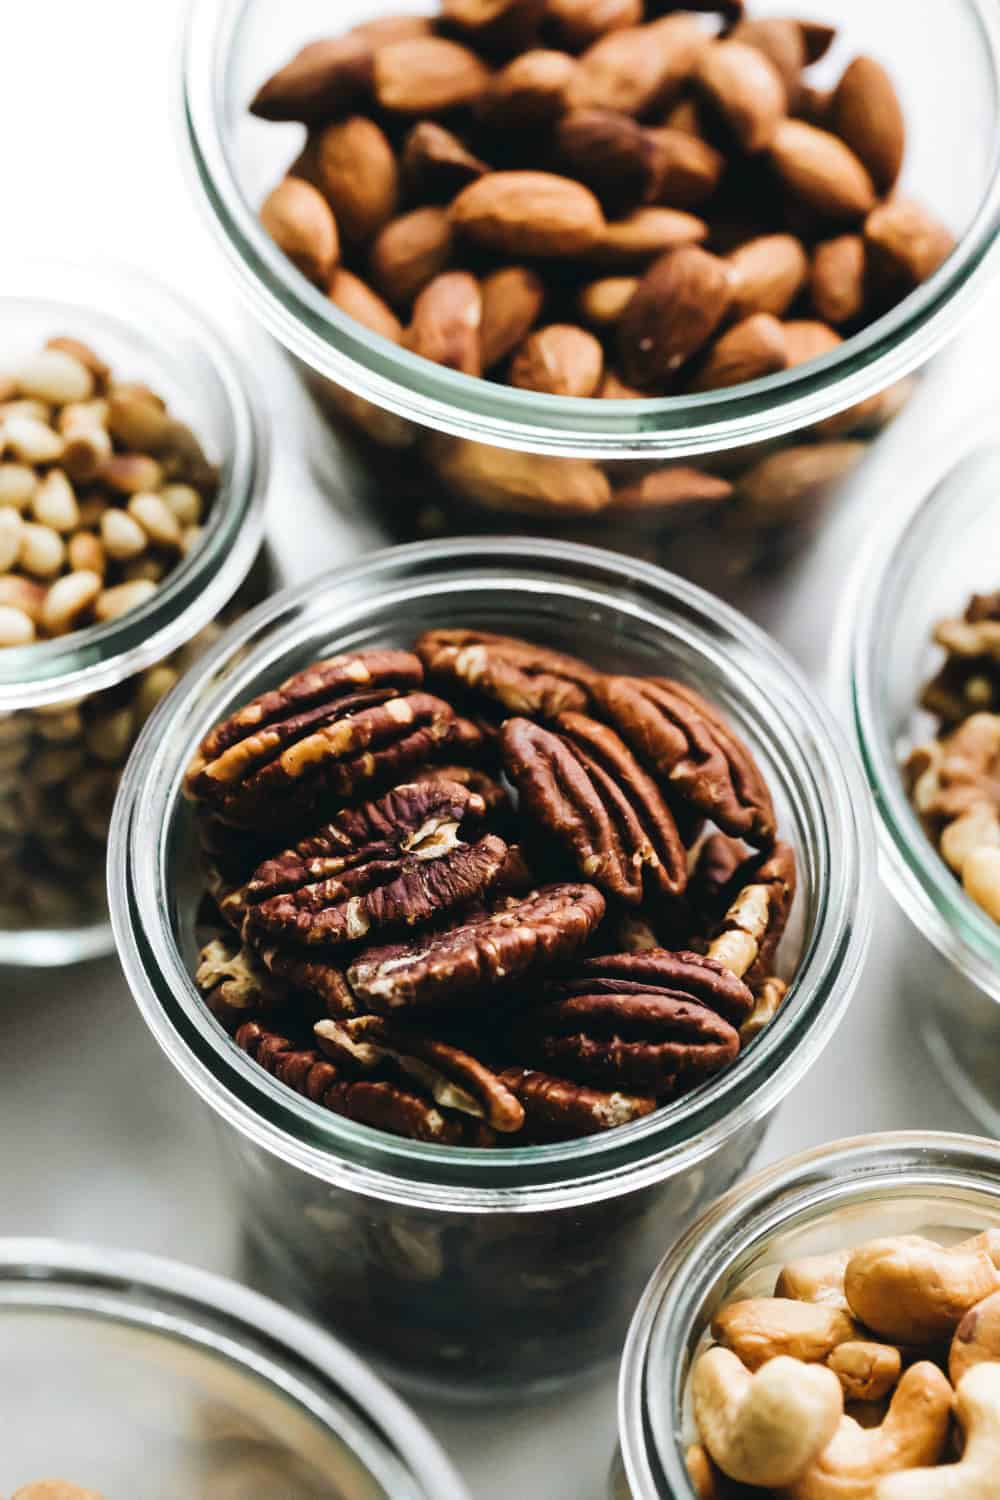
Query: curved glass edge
{"x": 815, "y": 1181}
{"x": 329, "y": 343}
{"x": 309, "y": 1367}
{"x": 533, "y": 1178}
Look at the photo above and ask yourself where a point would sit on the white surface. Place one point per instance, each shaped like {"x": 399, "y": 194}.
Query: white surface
{"x": 101, "y": 1139}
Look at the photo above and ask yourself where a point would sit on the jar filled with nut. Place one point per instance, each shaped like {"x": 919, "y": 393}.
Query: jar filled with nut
{"x": 172, "y": 1382}
{"x": 494, "y": 912}
{"x": 644, "y": 275}
{"x": 830, "y": 1329}
{"x": 133, "y": 463}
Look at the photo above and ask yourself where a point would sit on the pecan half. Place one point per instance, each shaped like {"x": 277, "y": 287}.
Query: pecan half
{"x": 523, "y": 678}
{"x": 692, "y": 976}
{"x": 397, "y": 862}
{"x": 235, "y": 984}
{"x": 688, "y": 743}
{"x": 585, "y": 788}
{"x": 447, "y": 967}
{"x": 969, "y": 681}
{"x": 320, "y": 978}
{"x": 953, "y": 776}
{"x": 755, "y": 923}
{"x": 556, "y": 1109}
{"x": 487, "y": 787}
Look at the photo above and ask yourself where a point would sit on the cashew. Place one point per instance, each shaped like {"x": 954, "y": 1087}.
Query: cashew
{"x": 761, "y": 1328}
{"x": 815, "y": 1278}
{"x": 768, "y": 1428}
{"x": 867, "y": 1371}
{"x": 914, "y": 1433}
{"x": 977, "y": 1476}
{"x": 977, "y": 1339}
{"x": 709, "y": 1482}
{"x": 918, "y": 1294}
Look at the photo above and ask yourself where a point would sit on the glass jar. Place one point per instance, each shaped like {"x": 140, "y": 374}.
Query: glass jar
{"x": 940, "y": 1185}
{"x": 168, "y": 1381}
{"x": 776, "y": 448}
{"x": 925, "y": 569}
{"x": 71, "y": 707}
{"x": 484, "y": 1273}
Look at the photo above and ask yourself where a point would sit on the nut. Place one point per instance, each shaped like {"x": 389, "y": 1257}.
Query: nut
{"x": 766, "y": 274}
{"x": 763, "y": 1328}
{"x": 531, "y": 91}
{"x": 512, "y": 300}
{"x": 521, "y": 677}
{"x": 749, "y": 350}
{"x": 436, "y": 164}
{"x": 905, "y": 244}
{"x": 611, "y": 154}
{"x": 427, "y": 76}
{"x": 445, "y": 323}
{"x": 528, "y": 213}
{"x": 867, "y": 1371}
{"x": 918, "y": 1293}
{"x": 519, "y": 483}
{"x": 638, "y": 70}
{"x": 603, "y": 302}
{"x": 323, "y": 80}
{"x": 677, "y": 307}
{"x": 645, "y": 234}
{"x": 687, "y": 170}
{"x": 410, "y": 252}
{"x": 837, "y": 279}
{"x": 355, "y": 298}
{"x": 357, "y": 174}
{"x": 55, "y": 377}
{"x": 744, "y": 89}
{"x": 577, "y": 23}
{"x": 820, "y": 172}
{"x": 978, "y": 1412}
{"x": 866, "y": 113}
{"x": 301, "y": 223}
{"x": 560, "y": 360}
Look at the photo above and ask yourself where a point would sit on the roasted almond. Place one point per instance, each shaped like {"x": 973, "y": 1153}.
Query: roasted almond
{"x": 356, "y": 172}
{"x": 749, "y": 350}
{"x": 531, "y": 90}
{"x": 446, "y": 320}
{"x": 806, "y": 339}
{"x": 529, "y": 213}
{"x": 356, "y": 298}
{"x": 409, "y": 252}
{"x": 609, "y": 152}
{"x": 603, "y": 302}
{"x": 786, "y": 483}
{"x": 503, "y": 26}
{"x": 300, "y": 221}
{"x": 743, "y": 89}
{"x": 560, "y": 360}
{"x": 324, "y": 80}
{"x": 436, "y": 163}
{"x": 687, "y": 169}
{"x": 782, "y": 41}
{"x": 513, "y": 298}
{"x": 767, "y": 274}
{"x": 676, "y": 308}
{"x": 905, "y": 244}
{"x": 867, "y": 114}
{"x": 669, "y": 496}
{"x": 428, "y": 76}
{"x": 645, "y": 234}
{"x": 576, "y": 24}
{"x": 519, "y": 483}
{"x": 820, "y": 172}
{"x": 837, "y": 279}
{"x": 640, "y": 69}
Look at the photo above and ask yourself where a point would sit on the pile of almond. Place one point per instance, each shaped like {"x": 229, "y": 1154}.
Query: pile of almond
{"x": 595, "y": 198}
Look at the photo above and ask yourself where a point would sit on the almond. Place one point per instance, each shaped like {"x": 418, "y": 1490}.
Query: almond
{"x": 785, "y": 484}
{"x": 871, "y": 415}
{"x": 677, "y": 307}
{"x": 638, "y": 70}
{"x": 385, "y": 428}
{"x": 300, "y": 221}
{"x": 513, "y": 298}
{"x": 560, "y": 360}
{"x": 782, "y": 41}
{"x": 647, "y": 233}
{"x": 806, "y": 339}
{"x": 669, "y": 496}
{"x": 818, "y": 37}
{"x": 325, "y": 79}
{"x": 355, "y": 298}
{"x": 905, "y": 244}
{"x": 409, "y": 252}
{"x": 744, "y": 90}
{"x": 610, "y": 153}
{"x": 578, "y": 23}
{"x": 814, "y": 105}
{"x": 529, "y": 213}
{"x": 446, "y": 320}
{"x": 837, "y": 279}
{"x": 613, "y": 388}
{"x": 749, "y": 350}
{"x": 436, "y": 163}
{"x": 496, "y": 25}
{"x": 767, "y": 274}
{"x": 820, "y": 172}
{"x": 392, "y": 29}
{"x": 427, "y": 76}
{"x": 603, "y": 302}
{"x": 536, "y": 484}
{"x": 357, "y": 174}
{"x": 867, "y": 114}
{"x": 686, "y": 117}
{"x": 531, "y": 90}
{"x": 687, "y": 169}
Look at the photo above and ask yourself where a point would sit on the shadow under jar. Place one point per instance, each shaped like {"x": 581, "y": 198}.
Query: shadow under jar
{"x": 488, "y": 1272}
{"x": 926, "y": 571}
{"x": 712, "y": 485}
{"x": 71, "y": 707}
{"x": 168, "y": 1381}
{"x": 945, "y": 1187}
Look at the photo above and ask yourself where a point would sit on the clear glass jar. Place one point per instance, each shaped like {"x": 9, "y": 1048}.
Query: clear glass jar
{"x": 484, "y": 1273}
{"x": 782, "y": 443}
{"x": 936, "y": 1184}
{"x": 71, "y": 708}
{"x": 137, "y": 1376}
{"x": 925, "y": 569}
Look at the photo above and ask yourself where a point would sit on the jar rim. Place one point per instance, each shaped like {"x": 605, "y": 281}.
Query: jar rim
{"x": 89, "y": 660}
{"x": 227, "y": 1320}
{"x": 335, "y": 346}
{"x": 810, "y": 1182}
{"x": 525, "y": 1178}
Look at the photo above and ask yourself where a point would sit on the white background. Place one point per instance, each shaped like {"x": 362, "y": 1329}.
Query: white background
{"x": 100, "y": 1140}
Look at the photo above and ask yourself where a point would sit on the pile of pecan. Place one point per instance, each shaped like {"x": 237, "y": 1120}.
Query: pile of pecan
{"x": 482, "y": 893}
{"x": 954, "y": 779}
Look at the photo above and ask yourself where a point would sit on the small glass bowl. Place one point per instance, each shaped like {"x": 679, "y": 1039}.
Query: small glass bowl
{"x": 486, "y": 1273}
{"x": 70, "y": 708}
{"x": 137, "y": 1376}
{"x": 924, "y": 569}
{"x": 784, "y": 444}
{"x": 936, "y": 1184}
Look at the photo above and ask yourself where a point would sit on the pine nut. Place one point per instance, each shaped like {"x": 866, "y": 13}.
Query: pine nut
{"x": 55, "y": 376}
{"x": 190, "y": 539}
{"x": 132, "y": 473}
{"x": 185, "y": 502}
{"x": 124, "y": 596}
{"x": 122, "y": 536}
{"x": 23, "y": 594}
{"x": 43, "y": 550}
{"x": 154, "y": 684}
{"x": 156, "y": 519}
{"x": 153, "y": 568}
{"x": 137, "y": 420}
{"x": 84, "y": 354}
{"x": 31, "y": 440}
{"x": 68, "y": 599}
{"x": 110, "y": 736}
{"x": 11, "y": 537}
{"x": 87, "y": 450}
{"x": 27, "y": 406}
{"x": 85, "y": 553}
{"x": 16, "y": 628}
{"x": 17, "y": 485}
{"x": 54, "y": 503}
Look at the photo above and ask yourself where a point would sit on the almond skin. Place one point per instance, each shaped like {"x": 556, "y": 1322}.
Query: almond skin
{"x": 782, "y": 42}
{"x": 677, "y": 307}
{"x": 576, "y": 24}
{"x": 611, "y": 154}
{"x": 529, "y": 214}
{"x": 324, "y": 80}
{"x": 357, "y": 174}
{"x": 409, "y": 252}
{"x": 560, "y": 360}
{"x": 905, "y": 244}
{"x": 639, "y": 70}
{"x": 837, "y": 279}
{"x": 446, "y": 321}
{"x": 867, "y": 114}
{"x": 355, "y": 298}
{"x": 513, "y": 298}
{"x": 744, "y": 90}
{"x": 603, "y": 302}
{"x": 301, "y": 222}
{"x": 519, "y": 483}
{"x": 767, "y": 274}
{"x": 428, "y": 76}
{"x": 675, "y": 494}
{"x": 807, "y": 339}
{"x": 531, "y": 90}
{"x": 749, "y": 350}
{"x": 821, "y": 173}
{"x": 687, "y": 169}
{"x": 645, "y": 234}
{"x": 785, "y": 484}
{"x": 436, "y": 164}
